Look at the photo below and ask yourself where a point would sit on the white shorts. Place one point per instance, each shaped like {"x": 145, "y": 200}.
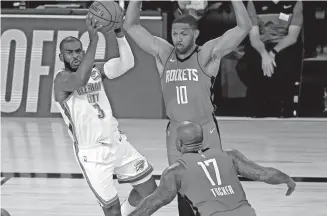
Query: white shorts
{"x": 99, "y": 163}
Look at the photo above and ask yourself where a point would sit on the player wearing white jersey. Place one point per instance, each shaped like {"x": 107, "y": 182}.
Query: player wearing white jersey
{"x": 101, "y": 150}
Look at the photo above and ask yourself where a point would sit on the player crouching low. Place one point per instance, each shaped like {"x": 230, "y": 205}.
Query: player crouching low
{"x": 208, "y": 178}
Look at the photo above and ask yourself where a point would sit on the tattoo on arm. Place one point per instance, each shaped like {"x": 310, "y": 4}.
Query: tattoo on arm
{"x": 251, "y": 170}
{"x": 163, "y": 195}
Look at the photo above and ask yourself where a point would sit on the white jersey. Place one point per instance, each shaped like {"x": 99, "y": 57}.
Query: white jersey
{"x": 88, "y": 114}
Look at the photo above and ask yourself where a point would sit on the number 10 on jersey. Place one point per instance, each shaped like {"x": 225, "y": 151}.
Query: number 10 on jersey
{"x": 181, "y": 94}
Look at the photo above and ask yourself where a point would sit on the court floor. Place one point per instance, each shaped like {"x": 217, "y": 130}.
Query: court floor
{"x": 40, "y": 175}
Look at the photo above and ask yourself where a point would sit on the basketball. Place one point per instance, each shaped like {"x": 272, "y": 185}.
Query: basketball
{"x": 107, "y": 13}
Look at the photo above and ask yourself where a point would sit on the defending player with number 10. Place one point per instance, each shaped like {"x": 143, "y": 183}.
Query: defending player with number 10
{"x": 187, "y": 70}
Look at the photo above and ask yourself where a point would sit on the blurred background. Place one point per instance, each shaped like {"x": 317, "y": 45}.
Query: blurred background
{"x": 31, "y": 31}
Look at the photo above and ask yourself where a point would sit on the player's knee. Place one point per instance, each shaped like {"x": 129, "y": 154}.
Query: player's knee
{"x": 112, "y": 209}
{"x": 145, "y": 186}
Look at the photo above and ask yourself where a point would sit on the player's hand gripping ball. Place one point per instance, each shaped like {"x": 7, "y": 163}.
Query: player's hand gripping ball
{"x": 108, "y": 13}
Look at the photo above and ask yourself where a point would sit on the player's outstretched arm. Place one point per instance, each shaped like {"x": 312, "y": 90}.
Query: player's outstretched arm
{"x": 163, "y": 195}
{"x": 251, "y": 170}
{"x": 116, "y": 67}
{"x": 215, "y": 49}
{"x": 68, "y": 82}
{"x": 155, "y": 46}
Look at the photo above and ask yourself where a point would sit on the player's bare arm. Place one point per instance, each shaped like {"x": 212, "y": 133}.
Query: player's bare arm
{"x": 215, "y": 49}
{"x": 251, "y": 170}
{"x": 155, "y": 46}
{"x": 163, "y": 195}
{"x": 116, "y": 67}
{"x": 68, "y": 82}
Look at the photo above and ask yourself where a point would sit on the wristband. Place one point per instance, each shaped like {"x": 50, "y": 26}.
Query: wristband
{"x": 117, "y": 30}
{"x": 274, "y": 51}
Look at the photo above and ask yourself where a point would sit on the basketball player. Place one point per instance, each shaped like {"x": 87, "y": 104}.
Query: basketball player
{"x": 187, "y": 72}
{"x": 208, "y": 178}
{"x": 100, "y": 148}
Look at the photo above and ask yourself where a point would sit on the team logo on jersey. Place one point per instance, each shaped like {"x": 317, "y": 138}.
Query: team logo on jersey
{"x": 95, "y": 75}
{"x": 139, "y": 165}
{"x": 84, "y": 158}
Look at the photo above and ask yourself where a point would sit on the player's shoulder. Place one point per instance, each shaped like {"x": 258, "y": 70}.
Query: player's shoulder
{"x": 173, "y": 173}
{"x": 174, "y": 170}
{"x": 232, "y": 152}
{"x": 60, "y": 75}
{"x": 59, "y": 94}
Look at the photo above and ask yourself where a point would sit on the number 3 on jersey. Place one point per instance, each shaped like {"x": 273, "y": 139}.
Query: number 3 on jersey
{"x": 215, "y": 166}
{"x": 181, "y": 94}
{"x": 101, "y": 114}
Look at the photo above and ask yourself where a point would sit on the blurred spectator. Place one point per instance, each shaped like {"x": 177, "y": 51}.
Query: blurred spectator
{"x": 273, "y": 60}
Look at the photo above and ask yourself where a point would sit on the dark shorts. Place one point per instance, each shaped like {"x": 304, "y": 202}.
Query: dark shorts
{"x": 244, "y": 210}
{"x": 211, "y": 138}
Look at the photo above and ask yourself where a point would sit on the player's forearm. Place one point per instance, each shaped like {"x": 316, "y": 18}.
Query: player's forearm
{"x": 133, "y": 14}
{"x": 242, "y": 17}
{"x": 126, "y": 55}
{"x": 85, "y": 68}
{"x": 273, "y": 176}
{"x": 286, "y": 42}
{"x": 118, "y": 66}
{"x": 258, "y": 45}
{"x": 148, "y": 206}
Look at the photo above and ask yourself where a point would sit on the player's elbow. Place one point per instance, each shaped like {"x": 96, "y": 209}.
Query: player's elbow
{"x": 166, "y": 200}
{"x": 130, "y": 63}
{"x": 128, "y": 26}
{"x": 292, "y": 39}
{"x": 245, "y": 26}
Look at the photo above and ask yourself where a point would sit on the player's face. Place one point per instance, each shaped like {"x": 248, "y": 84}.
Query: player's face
{"x": 183, "y": 36}
{"x": 72, "y": 55}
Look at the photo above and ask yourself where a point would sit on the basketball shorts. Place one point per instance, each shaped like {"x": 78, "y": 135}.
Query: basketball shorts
{"x": 210, "y": 132}
{"x": 100, "y": 162}
{"x": 244, "y": 210}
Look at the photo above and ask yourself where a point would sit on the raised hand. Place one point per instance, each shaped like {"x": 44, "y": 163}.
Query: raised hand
{"x": 120, "y": 23}
{"x": 92, "y": 27}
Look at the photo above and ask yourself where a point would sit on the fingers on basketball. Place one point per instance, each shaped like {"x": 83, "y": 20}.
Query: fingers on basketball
{"x": 108, "y": 14}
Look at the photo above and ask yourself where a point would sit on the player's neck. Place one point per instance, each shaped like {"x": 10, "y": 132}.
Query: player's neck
{"x": 68, "y": 70}
{"x": 185, "y": 55}
{"x": 192, "y": 149}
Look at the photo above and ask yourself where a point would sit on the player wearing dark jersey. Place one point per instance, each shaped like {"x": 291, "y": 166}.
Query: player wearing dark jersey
{"x": 208, "y": 178}
{"x": 187, "y": 71}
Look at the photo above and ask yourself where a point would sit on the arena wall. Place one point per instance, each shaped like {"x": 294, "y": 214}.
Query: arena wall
{"x": 29, "y": 62}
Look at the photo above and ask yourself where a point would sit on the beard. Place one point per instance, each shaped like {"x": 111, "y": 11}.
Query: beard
{"x": 185, "y": 49}
{"x": 69, "y": 66}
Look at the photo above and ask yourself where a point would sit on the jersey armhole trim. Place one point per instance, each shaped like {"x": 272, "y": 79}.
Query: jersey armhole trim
{"x": 70, "y": 93}
{"x": 164, "y": 66}
{"x": 197, "y": 57}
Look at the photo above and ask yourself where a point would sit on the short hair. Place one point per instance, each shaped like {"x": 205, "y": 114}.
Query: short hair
{"x": 67, "y": 40}
{"x": 187, "y": 19}
{"x": 189, "y": 133}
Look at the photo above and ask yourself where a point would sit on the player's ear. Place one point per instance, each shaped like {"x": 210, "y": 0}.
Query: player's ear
{"x": 179, "y": 145}
{"x": 61, "y": 57}
{"x": 196, "y": 34}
